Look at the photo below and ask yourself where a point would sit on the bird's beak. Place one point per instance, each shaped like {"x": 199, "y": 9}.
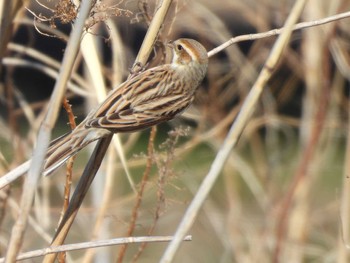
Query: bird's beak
{"x": 169, "y": 47}
{"x": 170, "y": 44}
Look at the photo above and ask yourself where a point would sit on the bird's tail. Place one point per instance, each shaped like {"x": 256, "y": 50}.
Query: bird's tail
{"x": 66, "y": 146}
{"x": 60, "y": 150}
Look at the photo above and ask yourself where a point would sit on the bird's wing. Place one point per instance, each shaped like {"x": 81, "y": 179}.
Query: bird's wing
{"x": 140, "y": 102}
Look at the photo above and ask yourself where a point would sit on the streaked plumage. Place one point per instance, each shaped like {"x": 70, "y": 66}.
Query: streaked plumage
{"x": 154, "y": 96}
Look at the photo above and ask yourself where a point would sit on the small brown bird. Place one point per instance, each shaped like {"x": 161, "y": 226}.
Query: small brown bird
{"x": 154, "y": 96}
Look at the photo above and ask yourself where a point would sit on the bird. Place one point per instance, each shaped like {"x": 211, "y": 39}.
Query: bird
{"x": 153, "y": 96}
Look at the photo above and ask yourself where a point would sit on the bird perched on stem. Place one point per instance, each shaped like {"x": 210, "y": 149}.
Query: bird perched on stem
{"x": 153, "y": 96}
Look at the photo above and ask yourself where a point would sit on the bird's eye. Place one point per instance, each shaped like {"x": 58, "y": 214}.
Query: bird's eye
{"x": 179, "y": 47}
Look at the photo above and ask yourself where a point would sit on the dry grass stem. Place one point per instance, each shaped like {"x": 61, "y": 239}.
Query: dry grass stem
{"x": 93, "y": 244}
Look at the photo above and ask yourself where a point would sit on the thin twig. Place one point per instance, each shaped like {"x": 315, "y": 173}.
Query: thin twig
{"x": 93, "y": 244}
{"x": 68, "y": 183}
{"x": 144, "y": 181}
{"x": 278, "y": 31}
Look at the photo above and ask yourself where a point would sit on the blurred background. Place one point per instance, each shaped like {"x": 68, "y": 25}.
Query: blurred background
{"x": 283, "y": 194}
